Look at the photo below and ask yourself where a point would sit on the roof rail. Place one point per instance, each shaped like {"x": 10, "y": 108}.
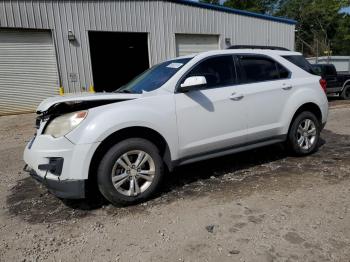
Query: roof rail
{"x": 257, "y": 47}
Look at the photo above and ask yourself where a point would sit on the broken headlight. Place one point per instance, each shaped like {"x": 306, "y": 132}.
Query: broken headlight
{"x": 63, "y": 124}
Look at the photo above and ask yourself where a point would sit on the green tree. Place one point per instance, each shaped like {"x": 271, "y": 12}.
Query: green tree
{"x": 341, "y": 40}
{"x": 318, "y": 23}
{"x": 320, "y": 28}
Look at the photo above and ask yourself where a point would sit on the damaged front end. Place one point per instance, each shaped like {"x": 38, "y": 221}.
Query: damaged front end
{"x": 49, "y": 154}
{"x": 66, "y": 107}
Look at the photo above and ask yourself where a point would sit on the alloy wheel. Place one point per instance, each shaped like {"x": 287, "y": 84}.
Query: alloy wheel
{"x": 306, "y": 134}
{"x": 133, "y": 173}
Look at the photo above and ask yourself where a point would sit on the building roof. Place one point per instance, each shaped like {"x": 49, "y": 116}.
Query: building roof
{"x": 236, "y": 11}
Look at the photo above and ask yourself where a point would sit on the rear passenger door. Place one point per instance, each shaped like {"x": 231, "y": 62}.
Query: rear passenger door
{"x": 267, "y": 86}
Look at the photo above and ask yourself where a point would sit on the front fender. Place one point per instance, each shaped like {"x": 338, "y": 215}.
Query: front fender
{"x": 103, "y": 121}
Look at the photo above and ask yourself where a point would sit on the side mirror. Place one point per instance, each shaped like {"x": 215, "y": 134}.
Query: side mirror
{"x": 193, "y": 82}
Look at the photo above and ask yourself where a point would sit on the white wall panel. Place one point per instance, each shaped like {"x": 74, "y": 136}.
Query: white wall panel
{"x": 160, "y": 19}
{"x": 28, "y": 70}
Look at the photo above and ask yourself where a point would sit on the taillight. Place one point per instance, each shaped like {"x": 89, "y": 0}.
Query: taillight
{"x": 323, "y": 84}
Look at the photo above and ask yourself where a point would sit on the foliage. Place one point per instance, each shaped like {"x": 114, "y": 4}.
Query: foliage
{"x": 341, "y": 40}
{"x": 321, "y": 29}
{"x": 318, "y": 24}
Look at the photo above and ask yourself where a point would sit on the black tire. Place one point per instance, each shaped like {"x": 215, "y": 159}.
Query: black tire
{"x": 345, "y": 94}
{"x": 294, "y": 134}
{"x": 108, "y": 162}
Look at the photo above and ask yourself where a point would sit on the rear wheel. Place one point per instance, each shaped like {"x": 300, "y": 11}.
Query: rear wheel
{"x": 304, "y": 134}
{"x": 130, "y": 172}
{"x": 346, "y": 93}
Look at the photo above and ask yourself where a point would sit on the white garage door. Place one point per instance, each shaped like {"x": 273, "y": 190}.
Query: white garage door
{"x": 28, "y": 70}
{"x": 190, "y": 44}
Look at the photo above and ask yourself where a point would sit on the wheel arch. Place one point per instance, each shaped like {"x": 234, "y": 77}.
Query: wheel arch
{"x": 346, "y": 83}
{"x": 311, "y": 107}
{"x": 130, "y": 132}
{"x": 344, "y": 92}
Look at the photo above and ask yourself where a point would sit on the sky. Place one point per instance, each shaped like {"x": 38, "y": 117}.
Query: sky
{"x": 346, "y": 10}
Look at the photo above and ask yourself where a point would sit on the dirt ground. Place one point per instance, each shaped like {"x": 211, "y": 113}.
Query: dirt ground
{"x": 261, "y": 205}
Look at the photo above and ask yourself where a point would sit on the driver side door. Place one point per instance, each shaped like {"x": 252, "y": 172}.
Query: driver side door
{"x": 213, "y": 117}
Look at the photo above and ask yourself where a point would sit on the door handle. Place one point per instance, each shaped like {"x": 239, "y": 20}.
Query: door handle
{"x": 236, "y": 97}
{"x": 285, "y": 87}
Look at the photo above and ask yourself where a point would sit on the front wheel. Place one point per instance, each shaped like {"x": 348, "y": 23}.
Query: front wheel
{"x": 130, "y": 172}
{"x": 346, "y": 93}
{"x": 304, "y": 134}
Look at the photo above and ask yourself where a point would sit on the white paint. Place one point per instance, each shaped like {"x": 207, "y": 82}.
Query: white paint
{"x": 191, "y": 123}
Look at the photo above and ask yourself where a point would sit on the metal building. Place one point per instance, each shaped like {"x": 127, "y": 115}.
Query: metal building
{"x": 45, "y": 44}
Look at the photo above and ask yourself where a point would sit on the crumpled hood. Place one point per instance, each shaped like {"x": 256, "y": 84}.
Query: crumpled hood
{"x": 86, "y": 97}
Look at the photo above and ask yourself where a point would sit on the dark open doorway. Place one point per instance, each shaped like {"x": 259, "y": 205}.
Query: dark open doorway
{"x": 117, "y": 58}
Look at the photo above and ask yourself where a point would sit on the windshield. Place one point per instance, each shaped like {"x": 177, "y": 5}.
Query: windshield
{"x": 154, "y": 77}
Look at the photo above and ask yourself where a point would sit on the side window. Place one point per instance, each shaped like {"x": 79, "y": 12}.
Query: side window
{"x": 258, "y": 69}
{"x": 284, "y": 73}
{"x": 301, "y": 62}
{"x": 317, "y": 69}
{"x": 330, "y": 70}
{"x": 218, "y": 71}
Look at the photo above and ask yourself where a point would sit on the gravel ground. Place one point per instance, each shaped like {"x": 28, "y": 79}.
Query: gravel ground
{"x": 261, "y": 205}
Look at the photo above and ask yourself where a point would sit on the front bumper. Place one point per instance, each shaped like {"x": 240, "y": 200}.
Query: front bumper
{"x": 69, "y": 189}
{"x": 60, "y": 165}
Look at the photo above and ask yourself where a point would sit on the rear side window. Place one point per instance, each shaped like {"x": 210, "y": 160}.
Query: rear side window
{"x": 301, "y": 62}
{"x": 259, "y": 69}
{"x": 317, "y": 69}
{"x": 218, "y": 71}
{"x": 284, "y": 73}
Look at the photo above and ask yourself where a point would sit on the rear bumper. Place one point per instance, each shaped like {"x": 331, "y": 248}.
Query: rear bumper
{"x": 69, "y": 189}
{"x": 332, "y": 90}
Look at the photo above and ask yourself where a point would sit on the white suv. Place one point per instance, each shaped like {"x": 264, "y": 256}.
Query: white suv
{"x": 180, "y": 111}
